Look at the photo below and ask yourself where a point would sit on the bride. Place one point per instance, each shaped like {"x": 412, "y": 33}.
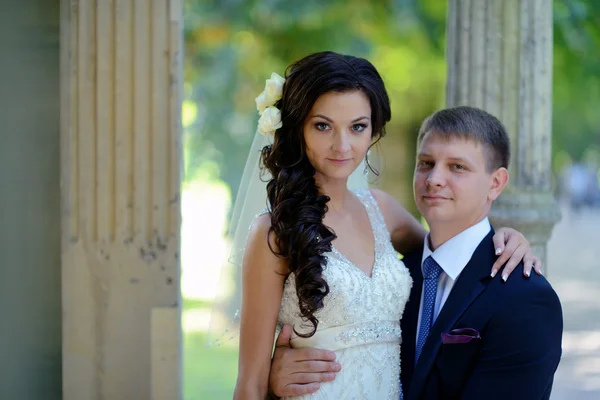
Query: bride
{"x": 324, "y": 258}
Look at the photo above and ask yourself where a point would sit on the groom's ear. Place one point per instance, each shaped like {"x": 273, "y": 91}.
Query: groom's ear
{"x": 499, "y": 182}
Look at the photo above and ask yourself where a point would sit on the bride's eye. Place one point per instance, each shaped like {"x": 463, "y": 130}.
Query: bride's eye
{"x": 322, "y": 126}
{"x": 359, "y": 127}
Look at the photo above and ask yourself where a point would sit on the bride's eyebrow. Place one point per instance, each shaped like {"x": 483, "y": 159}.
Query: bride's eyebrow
{"x": 330, "y": 120}
{"x": 322, "y": 116}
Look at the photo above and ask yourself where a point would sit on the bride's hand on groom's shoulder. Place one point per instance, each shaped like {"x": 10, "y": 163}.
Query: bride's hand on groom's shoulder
{"x": 512, "y": 248}
{"x": 295, "y": 372}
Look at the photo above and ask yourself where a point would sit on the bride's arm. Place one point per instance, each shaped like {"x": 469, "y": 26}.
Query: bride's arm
{"x": 263, "y": 275}
{"x": 407, "y": 234}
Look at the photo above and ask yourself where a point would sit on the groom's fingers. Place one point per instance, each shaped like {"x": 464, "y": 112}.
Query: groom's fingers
{"x": 298, "y": 390}
{"x": 301, "y": 377}
{"x": 309, "y": 354}
{"x": 293, "y": 369}
{"x": 305, "y": 383}
{"x": 317, "y": 366}
{"x": 283, "y": 340}
{"x": 305, "y": 378}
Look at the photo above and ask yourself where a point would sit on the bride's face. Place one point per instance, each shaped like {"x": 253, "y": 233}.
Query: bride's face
{"x": 337, "y": 133}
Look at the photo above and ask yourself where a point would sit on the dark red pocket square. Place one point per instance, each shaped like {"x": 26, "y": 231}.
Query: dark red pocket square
{"x": 460, "y": 336}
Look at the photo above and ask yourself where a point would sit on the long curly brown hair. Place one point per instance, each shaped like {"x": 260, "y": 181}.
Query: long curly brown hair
{"x": 297, "y": 208}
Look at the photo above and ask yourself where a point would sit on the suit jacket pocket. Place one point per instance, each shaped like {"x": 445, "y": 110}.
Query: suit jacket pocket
{"x": 454, "y": 364}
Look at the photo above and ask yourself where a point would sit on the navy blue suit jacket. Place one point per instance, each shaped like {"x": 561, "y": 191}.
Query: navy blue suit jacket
{"x": 520, "y": 323}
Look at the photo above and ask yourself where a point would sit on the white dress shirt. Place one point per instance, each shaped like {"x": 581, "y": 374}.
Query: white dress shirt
{"x": 452, "y": 257}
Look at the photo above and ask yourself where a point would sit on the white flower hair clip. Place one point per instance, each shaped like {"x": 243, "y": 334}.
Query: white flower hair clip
{"x": 270, "y": 116}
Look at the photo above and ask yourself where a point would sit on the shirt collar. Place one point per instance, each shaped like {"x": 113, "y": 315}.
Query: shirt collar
{"x": 454, "y": 255}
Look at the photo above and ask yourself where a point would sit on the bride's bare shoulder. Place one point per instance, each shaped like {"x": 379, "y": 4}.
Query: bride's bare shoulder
{"x": 262, "y": 221}
{"x": 260, "y": 231}
{"x": 261, "y": 247}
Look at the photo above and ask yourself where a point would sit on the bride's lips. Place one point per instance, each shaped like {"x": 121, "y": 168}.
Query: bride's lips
{"x": 339, "y": 161}
{"x": 434, "y": 197}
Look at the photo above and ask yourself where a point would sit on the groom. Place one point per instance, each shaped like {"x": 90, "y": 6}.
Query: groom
{"x": 464, "y": 334}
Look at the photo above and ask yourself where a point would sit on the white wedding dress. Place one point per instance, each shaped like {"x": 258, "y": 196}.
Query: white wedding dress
{"x": 360, "y": 319}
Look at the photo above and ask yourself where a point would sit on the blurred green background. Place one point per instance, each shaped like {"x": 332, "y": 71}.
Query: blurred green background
{"x": 232, "y": 46}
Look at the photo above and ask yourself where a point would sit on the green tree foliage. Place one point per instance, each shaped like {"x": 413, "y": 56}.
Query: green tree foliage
{"x": 576, "y": 116}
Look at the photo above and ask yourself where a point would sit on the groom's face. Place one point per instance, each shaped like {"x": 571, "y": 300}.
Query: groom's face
{"x": 451, "y": 182}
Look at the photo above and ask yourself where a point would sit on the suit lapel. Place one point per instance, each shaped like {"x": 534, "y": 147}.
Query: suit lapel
{"x": 469, "y": 285}
{"x": 411, "y": 317}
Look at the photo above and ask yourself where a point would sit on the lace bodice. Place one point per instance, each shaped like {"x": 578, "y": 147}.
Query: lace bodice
{"x": 360, "y": 319}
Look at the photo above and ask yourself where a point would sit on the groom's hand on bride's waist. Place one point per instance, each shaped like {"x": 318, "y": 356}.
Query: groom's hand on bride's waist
{"x": 296, "y": 372}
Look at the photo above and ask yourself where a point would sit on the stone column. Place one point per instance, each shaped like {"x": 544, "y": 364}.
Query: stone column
{"x": 121, "y": 79}
{"x": 500, "y": 59}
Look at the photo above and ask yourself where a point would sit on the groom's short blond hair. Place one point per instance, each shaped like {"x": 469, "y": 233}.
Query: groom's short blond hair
{"x": 473, "y": 124}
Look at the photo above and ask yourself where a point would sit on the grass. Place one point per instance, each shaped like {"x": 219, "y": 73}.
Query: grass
{"x": 209, "y": 374}
{"x": 189, "y": 304}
